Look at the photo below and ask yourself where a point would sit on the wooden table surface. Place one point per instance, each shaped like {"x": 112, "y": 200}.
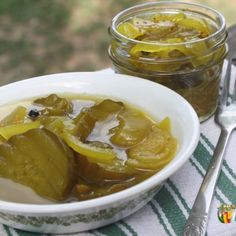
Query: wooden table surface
{"x": 232, "y": 42}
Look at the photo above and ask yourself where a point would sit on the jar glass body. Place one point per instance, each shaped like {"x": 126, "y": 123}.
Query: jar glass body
{"x": 198, "y": 84}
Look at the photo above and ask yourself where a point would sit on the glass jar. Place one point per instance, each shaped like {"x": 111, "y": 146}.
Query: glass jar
{"x": 192, "y": 68}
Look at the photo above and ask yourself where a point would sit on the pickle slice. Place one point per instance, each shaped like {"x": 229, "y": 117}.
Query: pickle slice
{"x": 160, "y": 51}
{"x": 58, "y": 124}
{"x": 142, "y": 23}
{"x": 15, "y": 117}
{"x": 86, "y": 120}
{"x": 40, "y": 160}
{"x": 197, "y": 50}
{"x": 196, "y": 24}
{"x": 168, "y": 17}
{"x": 129, "y": 30}
{"x": 106, "y": 108}
{"x": 165, "y": 124}
{"x": 94, "y": 153}
{"x": 54, "y": 105}
{"x": 89, "y": 191}
{"x": 85, "y": 123}
{"x": 94, "y": 173}
{"x": 131, "y": 130}
{"x": 11, "y": 130}
{"x": 156, "y": 150}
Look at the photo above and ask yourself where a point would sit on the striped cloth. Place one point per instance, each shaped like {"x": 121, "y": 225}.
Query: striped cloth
{"x": 166, "y": 214}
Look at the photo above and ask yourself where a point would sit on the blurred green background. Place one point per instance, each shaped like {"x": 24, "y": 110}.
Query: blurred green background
{"x": 40, "y": 37}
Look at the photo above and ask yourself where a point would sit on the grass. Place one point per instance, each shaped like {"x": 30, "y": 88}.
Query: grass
{"x": 41, "y": 37}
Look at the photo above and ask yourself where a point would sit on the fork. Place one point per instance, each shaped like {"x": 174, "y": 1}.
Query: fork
{"x": 225, "y": 117}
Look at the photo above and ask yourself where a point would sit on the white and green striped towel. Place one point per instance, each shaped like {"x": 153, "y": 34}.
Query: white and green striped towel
{"x": 166, "y": 214}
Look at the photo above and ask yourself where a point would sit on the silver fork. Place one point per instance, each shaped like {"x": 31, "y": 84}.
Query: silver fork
{"x": 225, "y": 117}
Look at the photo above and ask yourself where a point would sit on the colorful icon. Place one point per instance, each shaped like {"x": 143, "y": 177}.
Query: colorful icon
{"x": 227, "y": 213}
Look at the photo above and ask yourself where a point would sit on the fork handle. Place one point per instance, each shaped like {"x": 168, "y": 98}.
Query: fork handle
{"x": 197, "y": 222}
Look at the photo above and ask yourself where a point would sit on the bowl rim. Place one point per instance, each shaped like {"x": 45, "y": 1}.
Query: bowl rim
{"x": 126, "y": 194}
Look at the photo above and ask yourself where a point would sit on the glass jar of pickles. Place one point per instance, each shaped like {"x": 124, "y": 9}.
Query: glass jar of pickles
{"x": 179, "y": 45}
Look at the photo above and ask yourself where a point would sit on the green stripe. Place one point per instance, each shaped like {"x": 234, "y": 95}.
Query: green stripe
{"x": 111, "y": 230}
{"x": 25, "y": 233}
{"x": 167, "y": 193}
{"x": 128, "y": 227}
{"x": 227, "y": 187}
{"x": 6, "y": 228}
{"x": 229, "y": 169}
{"x": 224, "y": 162}
{"x": 196, "y": 167}
{"x": 159, "y": 217}
{"x": 203, "y": 157}
{"x": 199, "y": 171}
{"x": 171, "y": 210}
{"x": 178, "y": 195}
{"x": 207, "y": 141}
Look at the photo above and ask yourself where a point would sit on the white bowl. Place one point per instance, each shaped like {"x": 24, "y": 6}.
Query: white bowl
{"x": 153, "y": 98}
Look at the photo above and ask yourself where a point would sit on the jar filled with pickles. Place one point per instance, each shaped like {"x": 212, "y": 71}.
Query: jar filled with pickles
{"x": 179, "y": 45}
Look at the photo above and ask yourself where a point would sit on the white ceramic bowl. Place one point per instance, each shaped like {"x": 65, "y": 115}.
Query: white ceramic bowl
{"x": 153, "y": 98}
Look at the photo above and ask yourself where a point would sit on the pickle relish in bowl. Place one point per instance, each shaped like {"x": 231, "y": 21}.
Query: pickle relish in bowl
{"x": 75, "y": 148}
{"x": 179, "y": 45}
{"x": 82, "y": 150}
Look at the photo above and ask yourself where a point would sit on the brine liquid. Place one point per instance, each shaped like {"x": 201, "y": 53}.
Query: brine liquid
{"x": 140, "y": 145}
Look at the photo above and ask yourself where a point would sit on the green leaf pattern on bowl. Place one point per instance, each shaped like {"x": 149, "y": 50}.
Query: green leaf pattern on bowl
{"x": 103, "y": 214}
